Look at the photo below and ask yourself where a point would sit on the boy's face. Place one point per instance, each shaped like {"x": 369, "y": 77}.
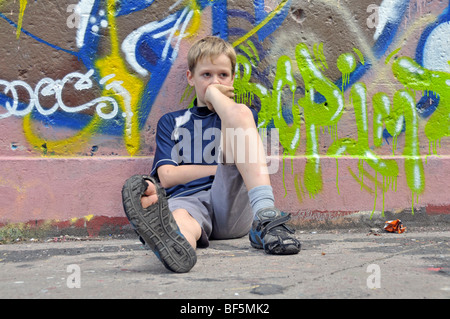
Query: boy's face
{"x": 210, "y": 71}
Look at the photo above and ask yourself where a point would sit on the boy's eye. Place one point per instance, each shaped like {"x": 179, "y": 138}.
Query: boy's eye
{"x": 207, "y": 74}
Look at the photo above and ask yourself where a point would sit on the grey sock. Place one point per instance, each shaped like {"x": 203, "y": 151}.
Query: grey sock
{"x": 261, "y": 197}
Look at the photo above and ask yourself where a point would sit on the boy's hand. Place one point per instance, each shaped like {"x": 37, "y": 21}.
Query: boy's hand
{"x": 217, "y": 90}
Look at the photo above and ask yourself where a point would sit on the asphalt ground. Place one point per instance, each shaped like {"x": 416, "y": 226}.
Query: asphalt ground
{"x": 359, "y": 263}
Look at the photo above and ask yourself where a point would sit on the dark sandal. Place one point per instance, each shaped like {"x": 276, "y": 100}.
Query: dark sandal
{"x": 270, "y": 232}
{"x": 156, "y": 225}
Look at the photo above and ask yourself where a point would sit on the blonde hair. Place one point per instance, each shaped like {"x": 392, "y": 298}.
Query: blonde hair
{"x": 210, "y": 47}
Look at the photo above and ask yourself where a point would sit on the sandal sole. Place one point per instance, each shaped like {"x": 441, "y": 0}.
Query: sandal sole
{"x": 157, "y": 227}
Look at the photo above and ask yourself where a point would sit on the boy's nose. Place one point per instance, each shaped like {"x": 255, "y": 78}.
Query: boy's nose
{"x": 215, "y": 80}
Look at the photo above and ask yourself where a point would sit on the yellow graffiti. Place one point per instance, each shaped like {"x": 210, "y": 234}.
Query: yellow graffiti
{"x": 66, "y": 146}
{"x": 261, "y": 24}
{"x": 128, "y": 92}
{"x": 196, "y": 20}
{"x": 86, "y": 218}
{"x": 23, "y": 4}
{"x": 125, "y": 88}
{"x": 119, "y": 84}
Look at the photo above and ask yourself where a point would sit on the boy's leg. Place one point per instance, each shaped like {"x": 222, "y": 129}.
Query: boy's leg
{"x": 242, "y": 145}
{"x": 189, "y": 227}
{"x": 232, "y": 213}
{"x": 155, "y": 223}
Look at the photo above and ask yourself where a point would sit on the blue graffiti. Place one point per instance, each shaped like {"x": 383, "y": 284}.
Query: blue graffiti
{"x": 430, "y": 101}
{"x": 153, "y": 54}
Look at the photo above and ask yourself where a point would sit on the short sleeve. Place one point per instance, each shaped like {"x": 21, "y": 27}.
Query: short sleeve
{"x": 164, "y": 144}
{"x": 255, "y": 115}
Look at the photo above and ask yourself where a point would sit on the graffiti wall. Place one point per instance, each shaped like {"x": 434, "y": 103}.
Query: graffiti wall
{"x": 359, "y": 92}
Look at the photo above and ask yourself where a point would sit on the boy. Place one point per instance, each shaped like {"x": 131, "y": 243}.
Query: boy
{"x": 226, "y": 197}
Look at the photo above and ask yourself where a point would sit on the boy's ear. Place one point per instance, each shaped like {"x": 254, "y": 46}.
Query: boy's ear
{"x": 190, "y": 77}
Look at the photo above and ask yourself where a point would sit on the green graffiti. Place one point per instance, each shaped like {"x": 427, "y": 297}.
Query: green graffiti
{"x": 402, "y": 113}
{"x": 398, "y": 116}
{"x": 316, "y": 115}
{"x": 415, "y": 77}
{"x": 346, "y": 63}
{"x": 271, "y": 102}
{"x": 360, "y": 148}
{"x": 318, "y": 53}
{"x": 360, "y": 55}
{"x": 290, "y": 136}
{"x": 245, "y": 91}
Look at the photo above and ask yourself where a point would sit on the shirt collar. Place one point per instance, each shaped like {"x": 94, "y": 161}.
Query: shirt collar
{"x": 200, "y": 110}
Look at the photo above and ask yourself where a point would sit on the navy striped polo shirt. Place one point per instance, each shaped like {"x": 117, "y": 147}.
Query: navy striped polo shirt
{"x": 188, "y": 137}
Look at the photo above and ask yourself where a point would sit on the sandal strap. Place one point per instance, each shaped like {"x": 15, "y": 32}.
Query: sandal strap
{"x": 271, "y": 223}
{"x": 160, "y": 191}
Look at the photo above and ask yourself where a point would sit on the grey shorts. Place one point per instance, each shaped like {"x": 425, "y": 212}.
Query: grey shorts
{"x": 223, "y": 211}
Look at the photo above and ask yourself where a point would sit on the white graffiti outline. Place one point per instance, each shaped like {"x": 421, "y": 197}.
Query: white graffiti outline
{"x": 130, "y": 43}
{"x": 49, "y": 87}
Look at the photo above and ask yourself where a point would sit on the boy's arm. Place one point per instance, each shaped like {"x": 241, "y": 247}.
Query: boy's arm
{"x": 219, "y": 97}
{"x": 170, "y": 175}
{"x": 166, "y": 168}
